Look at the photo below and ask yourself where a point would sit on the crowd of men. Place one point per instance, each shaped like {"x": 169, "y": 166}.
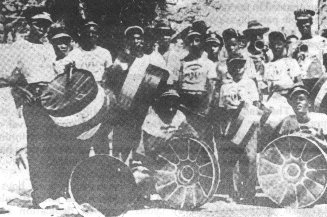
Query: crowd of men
{"x": 209, "y": 75}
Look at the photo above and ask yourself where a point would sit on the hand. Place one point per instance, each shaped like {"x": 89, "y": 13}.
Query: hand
{"x": 21, "y": 158}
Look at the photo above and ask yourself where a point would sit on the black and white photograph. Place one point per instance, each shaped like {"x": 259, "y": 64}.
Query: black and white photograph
{"x": 163, "y": 108}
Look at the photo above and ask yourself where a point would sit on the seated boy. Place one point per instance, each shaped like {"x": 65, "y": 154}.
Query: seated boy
{"x": 304, "y": 120}
{"x": 239, "y": 91}
{"x": 162, "y": 122}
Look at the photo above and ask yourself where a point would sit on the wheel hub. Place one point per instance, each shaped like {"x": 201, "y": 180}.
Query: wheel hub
{"x": 187, "y": 172}
{"x": 292, "y": 171}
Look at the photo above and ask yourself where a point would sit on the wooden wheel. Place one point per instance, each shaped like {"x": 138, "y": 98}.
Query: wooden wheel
{"x": 188, "y": 174}
{"x": 292, "y": 171}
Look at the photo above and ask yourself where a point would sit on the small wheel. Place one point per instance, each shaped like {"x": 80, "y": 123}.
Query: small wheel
{"x": 292, "y": 171}
{"x": 188, "y": 174}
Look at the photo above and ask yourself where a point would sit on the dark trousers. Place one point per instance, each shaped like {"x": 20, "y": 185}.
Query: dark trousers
{"x": 52, "y": 155}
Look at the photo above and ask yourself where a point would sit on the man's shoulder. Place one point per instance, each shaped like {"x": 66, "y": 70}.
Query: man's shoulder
{"x": 102, "y": 50}
{"x": 318, "y": 116}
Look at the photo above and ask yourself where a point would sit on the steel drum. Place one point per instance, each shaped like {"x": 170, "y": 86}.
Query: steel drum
{"x": 139, "y": 90}
{"x": 103, "y": 182}
{"x": 188, "y": 174}
{"x": 292, "y": 170}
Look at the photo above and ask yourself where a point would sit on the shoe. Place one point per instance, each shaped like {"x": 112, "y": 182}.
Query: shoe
{"x": 3, "y": 210}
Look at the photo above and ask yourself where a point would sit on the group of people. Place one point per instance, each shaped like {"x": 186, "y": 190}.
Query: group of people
{"x": 211, "y": 76}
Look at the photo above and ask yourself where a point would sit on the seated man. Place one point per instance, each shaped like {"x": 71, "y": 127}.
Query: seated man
{"x": 162, "y": 122}
{"x": 303, "y": 120}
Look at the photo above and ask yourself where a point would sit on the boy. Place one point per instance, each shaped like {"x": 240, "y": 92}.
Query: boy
{"x": 303, "y": 120}
{"x": 240, "y": 90}
{"x": 162, "y": 122}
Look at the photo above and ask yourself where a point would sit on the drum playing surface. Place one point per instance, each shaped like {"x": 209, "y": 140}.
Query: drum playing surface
{"x": 292, "y": 171}
{"x": 189, "y": 173}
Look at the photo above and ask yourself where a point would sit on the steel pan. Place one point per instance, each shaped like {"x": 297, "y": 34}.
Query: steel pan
{"x": 105, "y": 183}
{"x": 188, "y": 174}
{"x": 292, "y": 170}
{"x": 138, "y": 91}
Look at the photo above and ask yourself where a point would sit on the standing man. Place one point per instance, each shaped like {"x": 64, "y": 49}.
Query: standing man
{"x": 89, "y": 55}
{"x": 32, "y": 59}
{"x": 310, "y": 49}
{"x": 197, "y": 75}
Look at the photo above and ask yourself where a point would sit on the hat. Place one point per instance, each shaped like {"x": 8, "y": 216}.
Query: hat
{"x": 170, "y": 92}
{"x": 91, "y": 23}
{"x": 230, "y": 33}
{"x": 200, "y": 27}
{"x": 42, "y": 16}
{"x": 214, "y": 37}
{"x": 296, "y": 89}
{"x": 133, "y": 30}
{"x": 236, "y": 60}
{"x": 303, "y": 14}
{"x": 254, "y": 27}
{"x": 288, "y": 38}
{"x": 163, "y": 28}
{"x": 276, "y": 35}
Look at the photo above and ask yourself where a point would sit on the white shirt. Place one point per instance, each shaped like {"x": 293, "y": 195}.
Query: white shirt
{"x": 195, "y": 73}
{"x": 34, "y": 61}
{"x": 95, "y": 61}
{"x": 244, "y": 90}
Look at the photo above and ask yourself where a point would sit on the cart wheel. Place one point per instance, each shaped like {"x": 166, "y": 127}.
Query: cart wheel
{"x": 188, "y": 175}
{"x": 292, "y": 171}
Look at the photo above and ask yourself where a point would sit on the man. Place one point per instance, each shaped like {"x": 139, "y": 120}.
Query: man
{"x": 131, "y": 65}
{"x": 33, "y": 59}
{"x": 256, "y": 47}
{"x": 213, "y": 45}
{"x": 89, "y": 55}
{"x": 197, "y": 74}
{"x": 310, "y": 49}
{"x": 282, "y": 72}
{"x": 303, "y": 120}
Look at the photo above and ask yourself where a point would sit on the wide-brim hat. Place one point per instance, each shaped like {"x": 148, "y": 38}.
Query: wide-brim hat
{"x": 254, "y": 27}
{"x": 169, "y": 93}
{"x": 276, "y": 35}
{"x": 131, "y": 30}
{"x": 230, "y": 33}
{"x": 163, "y": 28}
{"x": 236, "y": 61}
{"x": 91, "y": 23}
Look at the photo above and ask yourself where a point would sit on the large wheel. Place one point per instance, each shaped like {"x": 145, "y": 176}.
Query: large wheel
{"x": 105, "y": 183}
{"x": 292, "y": 171}
{"x": 188, "y": 174}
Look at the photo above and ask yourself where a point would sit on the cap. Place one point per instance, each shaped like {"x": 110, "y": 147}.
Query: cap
{"x": 163, "y": 28}
{"x": 288, "y": 38}
{"x": 133, "y": 30}
{"x": 200, "y": 27}
{"x": 91, "y": 23}
{"x": 230, "y": 33}
{"x": 170, "y": 92}
{"x": 303, "y": 14}
{"x": 214, "y": 37}
{"x": 297, "y": 89}
{"x": 276, "y": 35}
{"x": 236, "y": 60}
{"x": 254, "y": 27}
{"x": 42, "y": 16}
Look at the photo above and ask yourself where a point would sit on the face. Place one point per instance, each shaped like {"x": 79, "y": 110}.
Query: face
{"x": 242, "y": 43}
{"x": 137, "y": 41}
{"x": 164, "y": 43}
{"x": 39, "y": 27}
{"x": 167, "y": 107}
{"x": 232, "y": 46}
{"x": 91, "y": 34}
{"x": 300, "y": 103}
{"x": 237, "y": 72}
{"x": 194, "y": 43}
{"x": 62, "y": 46}
{"x": 304, "y": 28}
{"x": 278, "y": 48}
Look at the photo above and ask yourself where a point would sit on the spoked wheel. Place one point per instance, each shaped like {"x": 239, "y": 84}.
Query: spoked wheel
{"x": 292, "y": 171}
{"x": 188, "y": 174}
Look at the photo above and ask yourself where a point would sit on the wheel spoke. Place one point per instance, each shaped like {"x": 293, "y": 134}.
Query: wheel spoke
{"x": 166, "y": 188}
{"x": 305, "y": 145}
{"x": 207, "y": 170}
{"x": 266, "y": 167}
{"x": 304, "y": 196}
{"x": 313, "y": 187}
{"x": 168, "y": 161}
{"x": 274, "y": 186}
{"x": 289, "y": 199}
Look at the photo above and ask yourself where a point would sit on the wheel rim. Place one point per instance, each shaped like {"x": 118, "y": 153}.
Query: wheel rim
{"x": 187, "y": 179}
{"x": 292, "y": 171}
